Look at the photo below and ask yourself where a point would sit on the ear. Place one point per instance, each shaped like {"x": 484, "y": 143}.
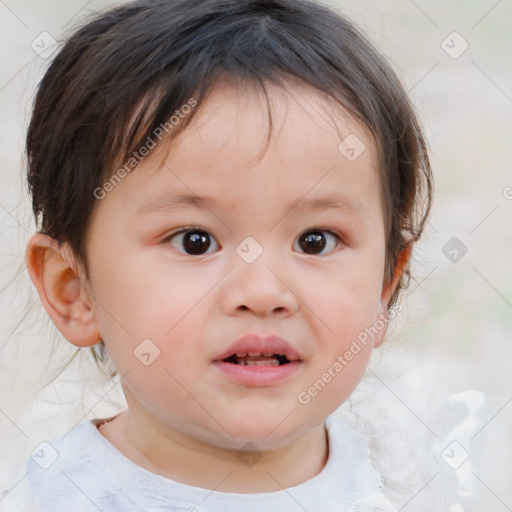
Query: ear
{"x": 402, "y": 261}
{"x": 53, "y": 270}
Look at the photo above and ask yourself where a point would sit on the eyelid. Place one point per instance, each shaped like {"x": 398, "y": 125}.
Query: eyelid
{"x": 185, "y": 229}
{"x": 341, "y": 239}
{"x": 327, "y": 230}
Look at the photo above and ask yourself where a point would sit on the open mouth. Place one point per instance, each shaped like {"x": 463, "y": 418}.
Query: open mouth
{"x": 267, "y": 359}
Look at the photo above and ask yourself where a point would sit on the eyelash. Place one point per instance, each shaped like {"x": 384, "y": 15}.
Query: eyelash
{"x": 336, "y": 235}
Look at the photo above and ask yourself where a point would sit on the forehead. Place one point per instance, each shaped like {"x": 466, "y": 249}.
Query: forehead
{"x": 293, "y": 115}
{"x": 223, "y": 155}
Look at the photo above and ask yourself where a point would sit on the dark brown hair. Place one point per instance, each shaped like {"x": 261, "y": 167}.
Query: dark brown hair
{"x": 124, "y": 74}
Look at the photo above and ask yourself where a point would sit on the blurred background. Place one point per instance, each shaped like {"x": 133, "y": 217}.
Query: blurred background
{"x": 442, "y": 381}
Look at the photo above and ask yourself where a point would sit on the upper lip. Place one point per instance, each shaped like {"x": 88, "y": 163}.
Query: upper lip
{"x": 260, "y": 344}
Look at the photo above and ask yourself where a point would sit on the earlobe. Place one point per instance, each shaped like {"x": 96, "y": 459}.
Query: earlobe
{"x": 402, "y": 261}
{"x": 62, "y": 294}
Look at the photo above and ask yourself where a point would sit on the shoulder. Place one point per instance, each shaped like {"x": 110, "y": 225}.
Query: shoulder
{"x": 45, "y": 474}
{"x": 66, "y": 452}
{"x": 349, "y": 453}
{"x": 19, "y": 498}
{"x": 55, "y": 467}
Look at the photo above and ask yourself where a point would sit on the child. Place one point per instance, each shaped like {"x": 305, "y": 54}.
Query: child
{"x": 228, "y": 194}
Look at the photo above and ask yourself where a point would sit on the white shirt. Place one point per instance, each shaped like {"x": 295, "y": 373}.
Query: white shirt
{"x": 82, "y": 471}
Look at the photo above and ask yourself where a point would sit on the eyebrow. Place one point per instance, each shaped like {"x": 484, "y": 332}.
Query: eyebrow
{"x": 331, "y": 201}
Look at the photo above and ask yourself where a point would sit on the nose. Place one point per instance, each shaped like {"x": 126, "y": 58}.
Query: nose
{"x": 260, "y": 288}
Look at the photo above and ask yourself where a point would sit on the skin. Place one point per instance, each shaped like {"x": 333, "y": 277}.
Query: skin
{"x": 183, "y": 414}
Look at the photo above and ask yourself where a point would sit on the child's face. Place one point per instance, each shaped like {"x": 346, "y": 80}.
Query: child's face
{"x": 193, "y": 307}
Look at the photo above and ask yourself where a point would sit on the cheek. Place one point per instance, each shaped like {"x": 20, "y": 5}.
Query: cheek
{"x": 350, "y": 303}
{"x": 343, "y": 356}
{"x": 160, "y": 389}
{"x": 348, "y": 309}
{"x": 164, "y": 324}
{"x": 137, "y": 298}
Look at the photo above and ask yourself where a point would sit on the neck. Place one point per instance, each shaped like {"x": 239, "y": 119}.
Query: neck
{"x": 174, "y": 455}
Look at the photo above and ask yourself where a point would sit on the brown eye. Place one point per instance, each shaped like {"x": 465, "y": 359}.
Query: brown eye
{"x": 193, "y": 242}
{"x": 314, "y": 242}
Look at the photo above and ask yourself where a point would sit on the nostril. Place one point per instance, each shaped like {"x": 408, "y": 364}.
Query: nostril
{"x": 278, "y": 310}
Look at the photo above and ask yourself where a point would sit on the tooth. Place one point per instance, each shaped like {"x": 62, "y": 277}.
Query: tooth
{"x": 272, "y": 362}
{"x": 241, "y": 354}
{"x": 254, "y": 353}
{"x": 268, "y": 354}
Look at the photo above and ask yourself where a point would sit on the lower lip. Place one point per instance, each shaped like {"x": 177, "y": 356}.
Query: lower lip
{"x": 257, "y": 376}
